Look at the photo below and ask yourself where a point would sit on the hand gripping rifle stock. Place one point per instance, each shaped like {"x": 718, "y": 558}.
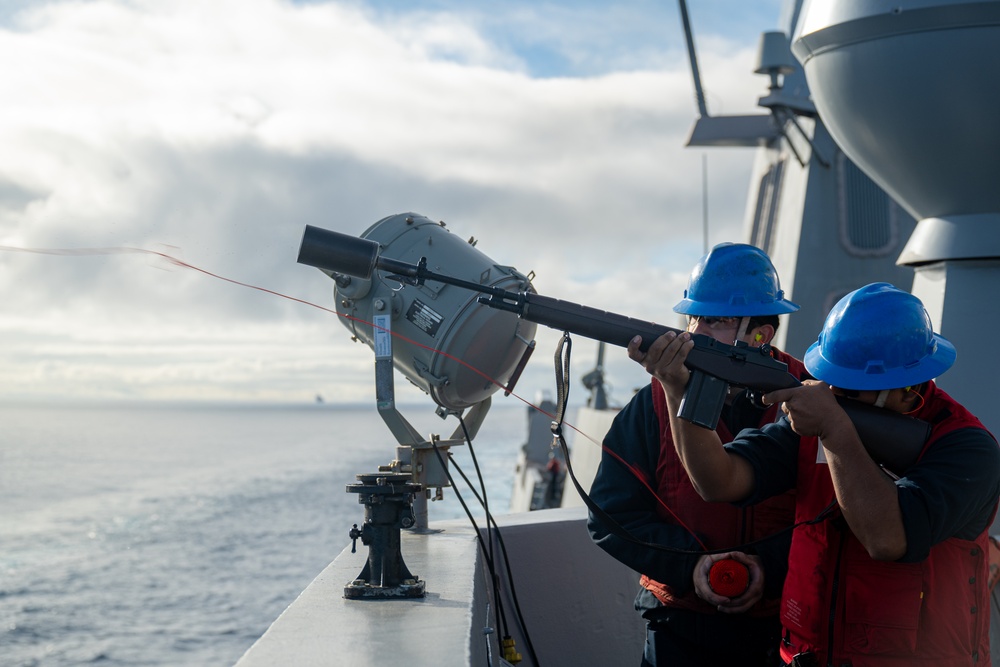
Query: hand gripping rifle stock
{"x": 893, "y": 440}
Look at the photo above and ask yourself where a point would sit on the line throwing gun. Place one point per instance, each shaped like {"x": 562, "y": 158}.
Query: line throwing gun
{"x": 893, "y": 440}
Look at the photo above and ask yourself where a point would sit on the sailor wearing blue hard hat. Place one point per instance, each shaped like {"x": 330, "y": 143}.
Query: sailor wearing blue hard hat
{"x": 733, "y": 296}
{"x": 879, "y": 338}
{"x": 730, "y": 285}
{"x": 887, "y": 567}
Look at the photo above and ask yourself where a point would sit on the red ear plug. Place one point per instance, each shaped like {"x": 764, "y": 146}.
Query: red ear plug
{"x": 729, "y": 577}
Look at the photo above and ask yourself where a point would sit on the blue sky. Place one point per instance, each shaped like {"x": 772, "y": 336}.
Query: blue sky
{"x": 552, "y": 131}
{"x": 589, "y": 37}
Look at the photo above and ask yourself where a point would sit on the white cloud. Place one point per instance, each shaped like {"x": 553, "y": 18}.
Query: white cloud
{"x": 220, "y": 129}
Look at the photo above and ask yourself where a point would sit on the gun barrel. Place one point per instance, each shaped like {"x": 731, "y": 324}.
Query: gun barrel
{"x": 590, "y": 322}
{"x": 741, "y": 365}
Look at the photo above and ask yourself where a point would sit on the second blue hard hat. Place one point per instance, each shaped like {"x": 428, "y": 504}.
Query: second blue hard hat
{"x": 878, "y": 337}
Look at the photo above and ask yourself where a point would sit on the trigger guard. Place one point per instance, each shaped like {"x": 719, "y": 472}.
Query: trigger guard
{"x": 755, "y": 399}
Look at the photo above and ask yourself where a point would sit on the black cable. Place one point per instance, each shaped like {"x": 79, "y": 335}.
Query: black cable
{"x": 499, "y": 614}
{"x": 503, "y": 546}
{"x": 484, "y": 501}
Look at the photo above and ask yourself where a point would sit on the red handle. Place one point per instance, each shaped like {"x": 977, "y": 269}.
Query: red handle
{"x": 729, "y": 577}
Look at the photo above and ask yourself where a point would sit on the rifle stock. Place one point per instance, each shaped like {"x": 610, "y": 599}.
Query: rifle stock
{"x": 894, "y": 441}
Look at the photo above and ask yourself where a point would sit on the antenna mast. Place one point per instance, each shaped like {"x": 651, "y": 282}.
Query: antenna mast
{"x": 699, "y": 93}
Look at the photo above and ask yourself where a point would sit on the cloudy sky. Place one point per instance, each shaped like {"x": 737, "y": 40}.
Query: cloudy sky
{"x": 214, "y": 131}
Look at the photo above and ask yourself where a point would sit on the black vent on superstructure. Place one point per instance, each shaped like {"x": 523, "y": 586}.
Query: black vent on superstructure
{"x": 868, "y": 217}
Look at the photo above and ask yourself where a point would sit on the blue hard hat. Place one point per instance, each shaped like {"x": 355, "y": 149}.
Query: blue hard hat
{"x": 734, "y": 280}
{"x": 878, "y": 337}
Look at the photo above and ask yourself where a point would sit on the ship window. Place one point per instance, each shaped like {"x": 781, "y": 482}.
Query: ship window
{"x": 868, "y": 217}
{"x": 766, "y": 212}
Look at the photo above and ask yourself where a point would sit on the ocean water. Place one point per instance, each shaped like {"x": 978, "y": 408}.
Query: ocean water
{"x": 170, "y": 535}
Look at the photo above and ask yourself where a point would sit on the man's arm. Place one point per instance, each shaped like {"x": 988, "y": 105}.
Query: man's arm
{"x": 635, "y": 440}
{"x": 866, "y": 495}
{"x": 625, "y": 489}
{"x": 950, "y": 492}
{"x": 716, "y": 475}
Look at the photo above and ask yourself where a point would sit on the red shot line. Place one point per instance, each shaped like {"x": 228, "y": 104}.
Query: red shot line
{"x": 639, "y": 474}
{"x": 83, "y": 252}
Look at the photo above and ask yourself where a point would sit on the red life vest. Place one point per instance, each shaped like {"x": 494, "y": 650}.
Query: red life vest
{"x": 849, "y": 609}
{"x": 718, "y": 525}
